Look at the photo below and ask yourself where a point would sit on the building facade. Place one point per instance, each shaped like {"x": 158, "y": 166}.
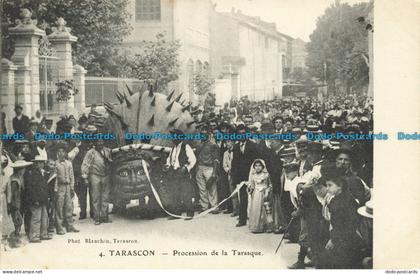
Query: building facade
{"x": 252, "y": 53}
{"x": 299, "y": 54}
{"x": 241, "y": 52}
{"x": 184, "y": 20}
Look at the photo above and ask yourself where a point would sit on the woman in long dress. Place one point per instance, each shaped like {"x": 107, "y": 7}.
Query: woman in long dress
{"x": 259, "y": 188}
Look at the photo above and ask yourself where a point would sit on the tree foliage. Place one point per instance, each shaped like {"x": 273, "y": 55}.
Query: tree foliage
{"x": 156, "y": 62}
{"x": 65, "y": 90}
{"x": 100, "y": 26}
{"x": 202, "y": 84}
{"x": 340, "y": 41}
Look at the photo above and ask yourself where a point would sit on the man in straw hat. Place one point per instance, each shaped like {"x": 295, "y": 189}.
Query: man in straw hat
{"x": 37, "y": 192}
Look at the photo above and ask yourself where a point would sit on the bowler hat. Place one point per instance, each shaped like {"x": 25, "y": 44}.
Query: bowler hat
{"x": 83, "y": 119}
{"x": 18, "y": 107}
{"x": 314, "y": 147}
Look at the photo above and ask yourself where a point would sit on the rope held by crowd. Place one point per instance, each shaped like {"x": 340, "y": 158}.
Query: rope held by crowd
{"x": 202, "y": 214}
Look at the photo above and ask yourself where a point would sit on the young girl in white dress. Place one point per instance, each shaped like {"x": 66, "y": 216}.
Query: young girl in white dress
{"x": 259, "y": 188}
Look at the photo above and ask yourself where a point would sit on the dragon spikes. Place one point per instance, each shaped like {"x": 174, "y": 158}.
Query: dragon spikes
{"x": 111, "y": 111}
{"x": 151, "y": 122}
{"x": 170, "y": 95}
{"x": 172, "y": 123}
{"x": 169, "y": 107}
{"x": 178, "y": 98}
{"x": 108, "y": 106}
{"x": 119, "y": 96}
{"x": 186, "y": 107}
{"x": 153, "y": 103}
{"x": 129, "y": 90}
{"x": 127, "y": 101}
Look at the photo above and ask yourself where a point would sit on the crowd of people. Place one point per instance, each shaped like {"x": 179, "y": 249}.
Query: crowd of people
{"x": 314, "y": 192}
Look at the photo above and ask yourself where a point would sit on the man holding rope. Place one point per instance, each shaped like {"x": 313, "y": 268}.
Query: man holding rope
{"x": 180, "y": 162}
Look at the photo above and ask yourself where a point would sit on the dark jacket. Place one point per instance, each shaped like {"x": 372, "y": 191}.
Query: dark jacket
{"x": 344, "y": 222}
{"x": 356, "y": 188}
{"x": 241, "y": 162}
{"x": 22, "y": 125}
{"x": 36, "y": 189}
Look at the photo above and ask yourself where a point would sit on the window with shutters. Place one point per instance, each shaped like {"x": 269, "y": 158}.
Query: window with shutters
{"x": 147, "y": 10}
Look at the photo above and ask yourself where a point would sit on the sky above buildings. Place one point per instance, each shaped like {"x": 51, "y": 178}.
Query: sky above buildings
{"x": 296, "y": 18}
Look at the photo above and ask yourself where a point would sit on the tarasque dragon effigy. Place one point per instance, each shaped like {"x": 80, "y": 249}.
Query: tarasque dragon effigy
{"x": 148, "y": 111}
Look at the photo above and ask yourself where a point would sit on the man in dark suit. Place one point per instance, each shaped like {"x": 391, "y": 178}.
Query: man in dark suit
{"x": 20, "y": 122}
{"x": 268, "y": 152}
{"x": 244, "y": 153}
{"x": 37, "y": 198}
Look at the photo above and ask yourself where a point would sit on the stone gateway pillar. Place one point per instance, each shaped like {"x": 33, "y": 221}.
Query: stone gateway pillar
{"x": 79, "y": 82}
{"x": 26, "y": 59}
{"x": 61, "y": 40}
{"x": 7, "y": 94}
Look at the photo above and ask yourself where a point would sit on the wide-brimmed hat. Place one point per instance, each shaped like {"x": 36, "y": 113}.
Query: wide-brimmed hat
{"x": 297, "y": 130}
{"x": 287, "y": 152}
{"x": 367, "y": 210}
{"x": 20, "y": 164}
{"x": 39, "y": 158}
{"x": 21, "y": 142}
{"x": 91, "y": 128}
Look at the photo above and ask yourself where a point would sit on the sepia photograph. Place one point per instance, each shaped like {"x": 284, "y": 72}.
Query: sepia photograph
{"x": 188, "y": 134}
